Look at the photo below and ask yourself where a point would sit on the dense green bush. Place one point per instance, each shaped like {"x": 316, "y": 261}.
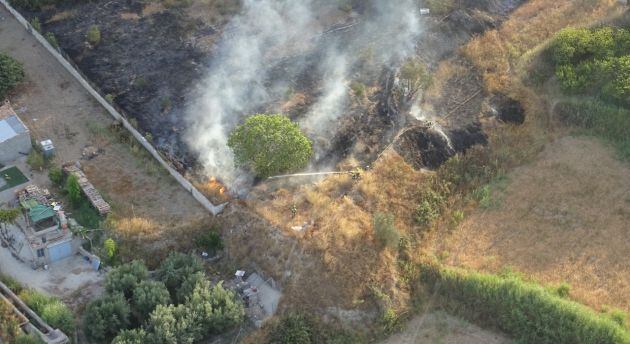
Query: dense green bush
{"x": 385, "y": 230}
{"x": 147, "y": 295}
{"x": 594, "y": 60}
{"x": 270, "y": 144}
{"x": 36, "y": 160}
{"x": 125, "y": 278}
{"x": 52, "y": 39}
{"x": 105, "y": 317}
{"x": 74, "y": 190}
{"x": 173, "y": 324}
{"x": 135, "y": 336}
{"x": 55, "y": 174}
{"x": 51, "y": 309}
{"x": 215, "y": 308}
{"x": 188, "y": 285}
{"x": 432, "y": 202}
{"x": 292, "y": 329}
{"x": 93, "y": 35}
{"x": 210, "y": 240}
{"x": 526, "y": 311}
{"x": 11, "y": 74}
{"x": 176, "y": 268}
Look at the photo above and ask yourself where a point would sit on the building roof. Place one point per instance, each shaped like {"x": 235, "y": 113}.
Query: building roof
{"x": 10, "y": 123}
{"x": 40, "y": 212}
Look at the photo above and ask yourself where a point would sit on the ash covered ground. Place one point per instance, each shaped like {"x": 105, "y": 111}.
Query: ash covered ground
{"x": 178, "y": 70}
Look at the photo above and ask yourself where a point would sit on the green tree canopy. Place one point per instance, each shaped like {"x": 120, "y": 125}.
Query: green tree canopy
{"x": 135, "y": 336}
{"x": 124, "y": 278}
{"x": 214, "y": 308}
{"x": 176, "y": 268}
{"x": 11, "y": 74}
{"x": 270, "y": 144}
{"x": 147, "y": 295}
{"x": 105, "y": 317}
{"x": 173, "y": 325}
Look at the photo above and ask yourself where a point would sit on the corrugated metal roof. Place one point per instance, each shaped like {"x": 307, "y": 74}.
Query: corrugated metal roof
{"x": 40, "y": 212}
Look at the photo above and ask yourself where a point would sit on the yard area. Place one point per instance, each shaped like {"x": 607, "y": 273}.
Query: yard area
{"x": 54, "y": 106}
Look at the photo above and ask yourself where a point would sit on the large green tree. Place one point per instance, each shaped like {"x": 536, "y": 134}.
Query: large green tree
{"x": 270, "y": 144}
{"x": 135, "y": 336}
{"x": 105, "y": 317}
{"x": 214, "y": 308}
{"x": 11, "y": 73}
{"x": 173, "y": 325}
{"x": 147, "y": 295}
{"x": 176, "y": 268}
{"x": 126, "y": 277}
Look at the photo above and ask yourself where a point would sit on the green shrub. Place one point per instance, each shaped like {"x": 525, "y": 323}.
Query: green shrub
{"x": 523, "y": 310}
{"x": 87, "y": 216}
{"x": 11, "y": 74}
{"x": 176, "y": 268}
{"x": 173, "y": 324}
{"x": 50, "y": 37}
{"x": 216, "y": 309}
{"x": 93, "y": 35}
{"x": 125, "y": 278}
{"x": 432, "y": 202}
{"x": 358, "y": 89}
{"x": 36, "y": 24}
{"x": 11, "y": 283}
{"x": 36, "y": 160}
{"x": 74, "y": 190}
{"x": 385, "y": 230}
{"x": 55, "y": 174}
{"x": 27, "y": 339}
{"x": 147, "y": 295}
{"x": 210, "y": 240}
{"x": 292, "y": 329}
{"x": 188, "y": 285}
{"x": 135, "y": 336}
{"x": 105, "y": 317}
{"x": 51, "y": 309}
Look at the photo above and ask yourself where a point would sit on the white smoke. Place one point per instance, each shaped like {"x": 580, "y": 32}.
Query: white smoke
{"x": 261, "y": 35}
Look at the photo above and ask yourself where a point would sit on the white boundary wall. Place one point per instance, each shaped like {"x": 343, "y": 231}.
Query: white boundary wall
{"x": 214, "y": 209}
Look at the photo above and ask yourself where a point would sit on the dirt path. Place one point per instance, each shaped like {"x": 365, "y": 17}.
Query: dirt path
{"x": 563, "y": 218}
{"x": 440, "y": 328}
{"x": 54, "y": 106}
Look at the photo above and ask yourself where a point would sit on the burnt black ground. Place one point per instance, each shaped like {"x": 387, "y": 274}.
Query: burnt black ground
{"x": 151, "y": 64}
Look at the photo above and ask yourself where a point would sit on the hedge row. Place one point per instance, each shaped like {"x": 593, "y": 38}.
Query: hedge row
{"x": 525, "y": 311}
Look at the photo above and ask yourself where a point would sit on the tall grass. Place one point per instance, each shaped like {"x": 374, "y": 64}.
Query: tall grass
{"x": 596, "y": 118}
{"x": 524, "y": 310}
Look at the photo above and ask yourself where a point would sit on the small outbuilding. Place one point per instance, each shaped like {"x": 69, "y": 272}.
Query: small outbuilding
{"x": 15, "y": 138}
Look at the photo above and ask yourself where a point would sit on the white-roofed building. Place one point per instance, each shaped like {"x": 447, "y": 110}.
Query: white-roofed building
{"x": 15, "y": 138}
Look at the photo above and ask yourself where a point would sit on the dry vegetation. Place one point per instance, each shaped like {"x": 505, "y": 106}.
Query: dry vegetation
{"x": 554, "y": 220}
{"x": 347, "y": 267}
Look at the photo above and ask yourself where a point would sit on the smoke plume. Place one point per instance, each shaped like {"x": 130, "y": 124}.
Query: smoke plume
{"x": 244, "y": 76}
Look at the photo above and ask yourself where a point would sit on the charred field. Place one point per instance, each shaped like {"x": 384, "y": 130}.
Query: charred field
{"x": 152, "y": 57}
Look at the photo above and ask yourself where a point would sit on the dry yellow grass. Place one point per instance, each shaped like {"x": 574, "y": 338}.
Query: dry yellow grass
{"x": 563, "y": 218}
{"x": 497, "y": 52}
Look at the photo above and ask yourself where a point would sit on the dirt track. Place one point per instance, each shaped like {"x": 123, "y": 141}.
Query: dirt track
{"x": 54, "y": 106}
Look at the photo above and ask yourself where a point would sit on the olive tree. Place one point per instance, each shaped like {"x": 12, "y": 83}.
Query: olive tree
{"x": 105, "y": 317}
{"x": 135, "y": 336}
{"x": 214, "y": 308}
{"x": 147, "y": 295}
{"x": 11, "y": 74}
{"x": 124, "y": 279}
{"x": 176, "y": 268}
{"x": 270, "y": 144}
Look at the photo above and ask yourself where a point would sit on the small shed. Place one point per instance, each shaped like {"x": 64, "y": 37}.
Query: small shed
{"x": 15, "y": 138}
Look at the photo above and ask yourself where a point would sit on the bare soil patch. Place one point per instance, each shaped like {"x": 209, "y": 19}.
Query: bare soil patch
{"x": 439, "y": 327}
{"x": 563, "y": 218}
